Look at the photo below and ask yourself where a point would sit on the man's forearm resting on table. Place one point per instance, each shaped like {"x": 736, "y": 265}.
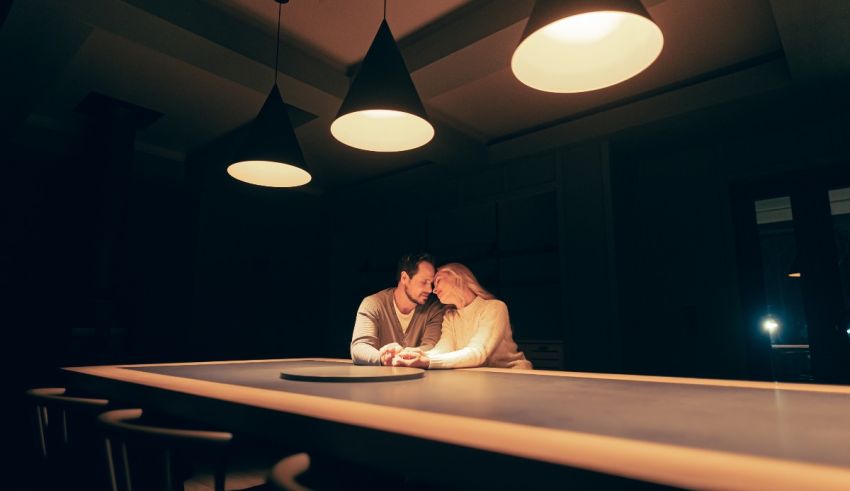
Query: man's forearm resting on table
{"x": 363, "y": 353}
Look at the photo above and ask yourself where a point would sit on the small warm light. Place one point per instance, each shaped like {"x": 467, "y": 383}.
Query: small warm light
{"x": 587, "y": 51}
{"x": 382, "y": 130}
{"x": 794, "y": 275}
{"x": 270, "y": 174}
{"x": 770, "y": 325}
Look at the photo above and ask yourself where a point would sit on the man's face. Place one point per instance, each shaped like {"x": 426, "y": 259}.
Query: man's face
{"x": 418, "y": 287}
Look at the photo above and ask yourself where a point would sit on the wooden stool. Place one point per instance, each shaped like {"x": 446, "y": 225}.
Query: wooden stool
{"x": 66, "y": 438}
{"x": 152, "y": 448}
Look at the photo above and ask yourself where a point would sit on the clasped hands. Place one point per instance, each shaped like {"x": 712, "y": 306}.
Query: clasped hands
{"x": 394, "y": 355}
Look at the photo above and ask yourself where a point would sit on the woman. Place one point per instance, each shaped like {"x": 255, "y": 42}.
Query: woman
{"x": 476, "y": 331}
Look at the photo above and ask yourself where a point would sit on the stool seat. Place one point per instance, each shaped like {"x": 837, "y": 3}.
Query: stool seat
{"x": 285, "y": 474}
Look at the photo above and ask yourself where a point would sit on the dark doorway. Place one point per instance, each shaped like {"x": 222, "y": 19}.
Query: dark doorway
{"x": 793, "y": 239}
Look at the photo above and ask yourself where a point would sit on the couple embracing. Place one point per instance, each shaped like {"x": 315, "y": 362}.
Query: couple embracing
{"x": 405, "y": 326}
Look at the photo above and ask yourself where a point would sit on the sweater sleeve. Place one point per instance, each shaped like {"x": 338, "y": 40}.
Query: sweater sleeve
{"x": 364, "y": 339}
{"x": 489, "y": 330}
{"x": 433, "y": 328}
{"x": 446, "y": 343}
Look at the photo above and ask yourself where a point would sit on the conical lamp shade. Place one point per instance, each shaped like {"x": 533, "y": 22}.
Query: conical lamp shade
{"x": 583, "y": 45}
{"x": 382, "y": 111}
{"x": 270, "y": 155}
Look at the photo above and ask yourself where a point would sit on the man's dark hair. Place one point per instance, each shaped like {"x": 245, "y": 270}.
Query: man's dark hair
{"x": 409, "y": 263}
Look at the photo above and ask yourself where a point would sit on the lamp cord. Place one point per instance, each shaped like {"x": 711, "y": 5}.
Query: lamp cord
{"x": 277, "y": 42}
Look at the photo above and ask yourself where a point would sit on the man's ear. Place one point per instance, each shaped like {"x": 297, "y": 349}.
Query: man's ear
{"x": 404, "y": 277}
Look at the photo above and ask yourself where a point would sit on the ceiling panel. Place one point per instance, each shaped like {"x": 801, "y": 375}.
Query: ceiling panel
{"x": 340, "y": 30}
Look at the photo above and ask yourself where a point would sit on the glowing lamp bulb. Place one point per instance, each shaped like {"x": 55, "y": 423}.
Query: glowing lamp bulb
{"x": 269, "y": 174}
{"x": 588, "y": 51}
{"x": 770, "y": 325}
{"x": 382, "y": 130}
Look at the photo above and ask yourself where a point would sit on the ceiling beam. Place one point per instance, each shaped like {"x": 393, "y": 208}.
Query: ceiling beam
{"x": 191, "y": 31}
{"x": 36, "y": 44}
{"x": 756, "y": 80}
{"x": 815, "y": 37}
{"x": 462, "y": 28}
{"x": 198, "y": 17}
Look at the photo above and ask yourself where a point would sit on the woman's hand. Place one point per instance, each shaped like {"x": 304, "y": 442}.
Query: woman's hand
{"x": 411, "y": 357}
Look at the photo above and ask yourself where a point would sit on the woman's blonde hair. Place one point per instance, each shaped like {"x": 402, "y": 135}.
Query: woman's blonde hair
{"x": 463, "y": 278}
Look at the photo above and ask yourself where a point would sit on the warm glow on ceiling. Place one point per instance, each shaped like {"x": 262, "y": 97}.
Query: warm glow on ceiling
{"x": 382, "y": 130}
{"x": 794, "y": 275}
{"x": 271, "y": 174}
{"x": 587, "y": 52}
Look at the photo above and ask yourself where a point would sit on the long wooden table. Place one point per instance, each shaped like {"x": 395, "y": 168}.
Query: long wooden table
{"x": 508, "y": 428}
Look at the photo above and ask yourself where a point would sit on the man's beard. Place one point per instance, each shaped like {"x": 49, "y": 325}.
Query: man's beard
{"x": 412, "y": 298}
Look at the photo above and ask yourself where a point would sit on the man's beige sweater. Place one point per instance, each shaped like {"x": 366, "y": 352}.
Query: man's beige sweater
{"x": 377, "y": 325}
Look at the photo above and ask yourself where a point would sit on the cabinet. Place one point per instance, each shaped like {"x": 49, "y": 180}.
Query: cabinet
{"x": 544, "y": 354}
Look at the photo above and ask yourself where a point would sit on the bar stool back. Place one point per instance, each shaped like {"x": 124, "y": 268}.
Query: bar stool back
{"x": 141, "y": 455}
{"x": 66, "y": 437}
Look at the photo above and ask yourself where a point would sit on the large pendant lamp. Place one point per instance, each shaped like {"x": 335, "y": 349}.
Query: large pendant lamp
{"x": 583, "y": 45}
{"x": 382, "y": 111}
{"x": 270, "y": 155}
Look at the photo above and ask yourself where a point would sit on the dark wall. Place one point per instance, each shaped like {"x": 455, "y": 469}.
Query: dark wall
{"x": 260, "y": 266}
{"x": 97, "y": 268}
{"x": 161, "y": 238}
{"x": 676, "y": 259}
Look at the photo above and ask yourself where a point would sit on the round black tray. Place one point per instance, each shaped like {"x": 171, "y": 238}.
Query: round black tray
{"x": 349, "y": 373}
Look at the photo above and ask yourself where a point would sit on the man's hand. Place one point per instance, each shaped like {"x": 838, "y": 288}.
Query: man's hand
{"x": 411, "y": 357}
{"x": 388, "y": 352}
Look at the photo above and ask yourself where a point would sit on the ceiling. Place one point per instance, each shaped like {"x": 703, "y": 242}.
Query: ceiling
{"x": 206, "y": 65}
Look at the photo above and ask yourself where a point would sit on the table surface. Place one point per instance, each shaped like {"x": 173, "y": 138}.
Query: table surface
{"x": 676, "y": 431}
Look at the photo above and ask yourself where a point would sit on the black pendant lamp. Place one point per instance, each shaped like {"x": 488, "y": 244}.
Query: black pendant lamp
{"x": 583, "y": 45}
{"x": 382, "y": 111}
{"x": 270, "y": 155}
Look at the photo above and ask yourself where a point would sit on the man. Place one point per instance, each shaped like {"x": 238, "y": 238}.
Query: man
{"x": 400, "y": 317}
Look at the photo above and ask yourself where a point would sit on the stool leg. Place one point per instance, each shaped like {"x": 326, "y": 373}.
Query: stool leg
{"x": 220, "y": 472}
{"x": 126, "y": 462}
{"x": 170, "y": 483}
{"x": 41, "y": 421}
{"x": 111, "y": 464}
